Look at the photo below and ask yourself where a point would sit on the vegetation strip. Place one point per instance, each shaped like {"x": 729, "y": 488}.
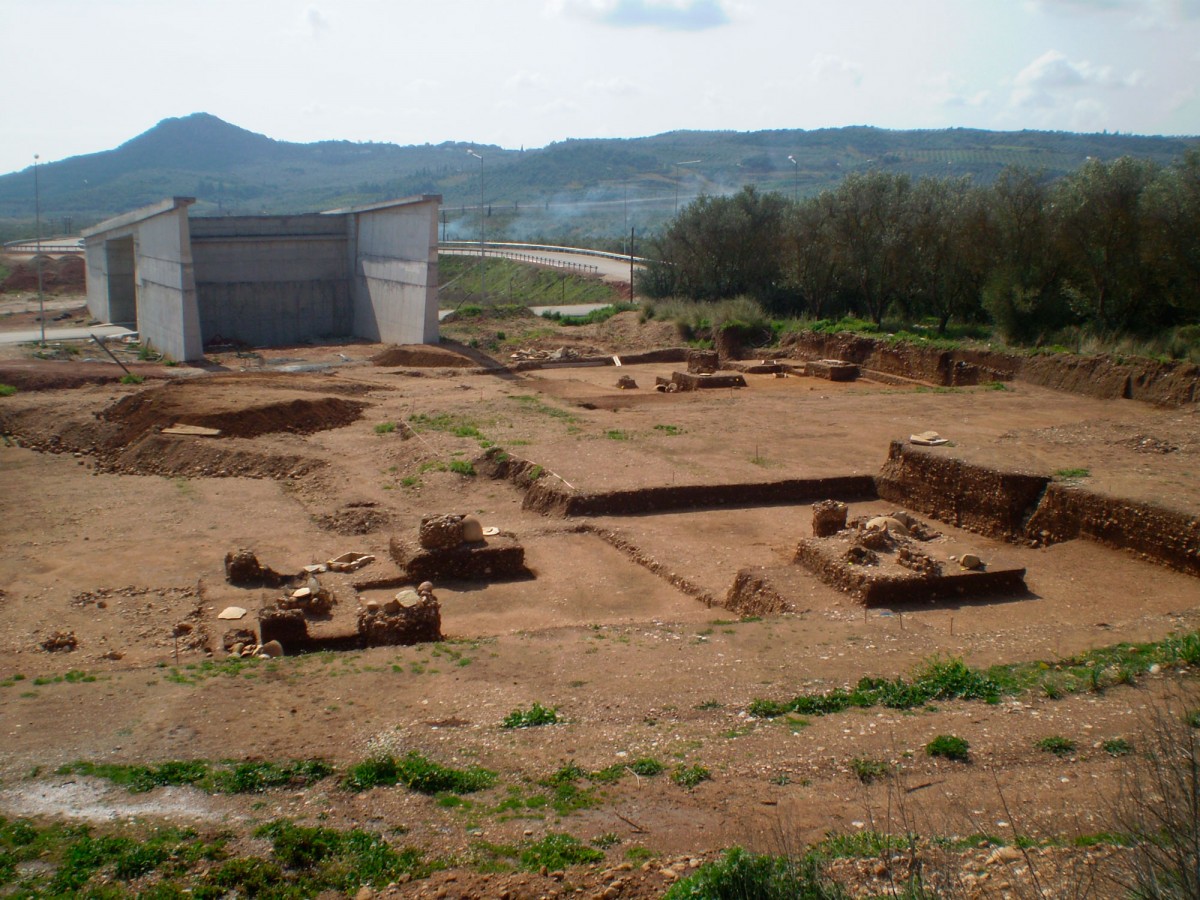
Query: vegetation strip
{"x": 952, "y": 679}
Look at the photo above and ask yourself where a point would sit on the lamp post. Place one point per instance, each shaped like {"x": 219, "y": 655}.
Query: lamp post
{"x": 37, "y": 244}
{"x": 678, "y": 167}
{"x": 482, "y": 250}
{"x": 795, "y": 177}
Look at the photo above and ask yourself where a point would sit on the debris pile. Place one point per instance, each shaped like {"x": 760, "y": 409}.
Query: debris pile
{"x": 411, "y": 617}
{"x": 458, "y": 546}
{"x": 532, "y": 353}
{"x": 893, "y": 558}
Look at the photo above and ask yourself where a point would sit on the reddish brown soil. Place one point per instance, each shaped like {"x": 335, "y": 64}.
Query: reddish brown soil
{"x": 613, "y": 629}
{"x": 61, "y": 274}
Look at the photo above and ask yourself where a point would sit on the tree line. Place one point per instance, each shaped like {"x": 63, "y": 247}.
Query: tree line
{"x": 1113, "y": 247}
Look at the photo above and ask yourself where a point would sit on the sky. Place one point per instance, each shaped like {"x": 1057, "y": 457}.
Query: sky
{"x": 82, "y": 76}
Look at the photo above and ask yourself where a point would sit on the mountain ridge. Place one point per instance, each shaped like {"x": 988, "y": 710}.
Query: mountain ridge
{"x": 230, "y": 169}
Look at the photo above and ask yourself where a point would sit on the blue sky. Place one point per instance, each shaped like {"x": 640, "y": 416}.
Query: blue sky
{"x": 85, "y": 75}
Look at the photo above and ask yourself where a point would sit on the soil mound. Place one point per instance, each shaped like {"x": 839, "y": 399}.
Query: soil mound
{"x": 49, "y": 374}
{"x": 62, "y": 275}
{"x": 238, "y": 409}
{"x": 422, "y": 356}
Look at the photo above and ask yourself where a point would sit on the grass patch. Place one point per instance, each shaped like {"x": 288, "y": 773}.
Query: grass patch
{"x": 670, "y": 430}
{"x": 7, "y": 390}
{"x": 739, "y": 874}
{"x": 462, "y": 467}
{"x": 1056, "y": 744}
{"x": 949, "y": 746}
{"x": 534, "y": 717}
{"x": 869, "y": 770}
{"x": 556, "y": 852}
{"x": 533, "y": 404}
{"x": 385, "y": 428}
{"x": 616, "y": 434}
{"x": 1117, "y": 747}
{"x": 690, "y": 776}
{"x": 1072, "y": 474}
{"x": 937, "y": 679}
{"x": 130, "y": 378}
{"x": 592, "y": 318}
{"x": 417, "y": 773}
{"x": 216, "y": 778}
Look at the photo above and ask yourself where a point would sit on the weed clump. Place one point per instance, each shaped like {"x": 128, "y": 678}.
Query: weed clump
{"x": 534, "y": 717}
{"x": 417, "y": 773}
{"x": 949, "y": 746}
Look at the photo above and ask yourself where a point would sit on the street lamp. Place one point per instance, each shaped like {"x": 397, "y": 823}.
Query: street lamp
{"x": 482, "y": 250}
{"x": 37, "y": 244}
{"x": 678, "y": 165}
{"x": 795, "y": 177}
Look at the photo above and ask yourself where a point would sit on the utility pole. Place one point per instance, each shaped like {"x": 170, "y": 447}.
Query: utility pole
{"x": 37, "y": 243}
{"x": 631, "y": 295}
{"x": 482, "y": 247}
{"x": 795, "y": 177}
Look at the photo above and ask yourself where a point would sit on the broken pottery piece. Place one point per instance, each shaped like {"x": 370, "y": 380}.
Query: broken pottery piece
{"x": 231, "y": 612}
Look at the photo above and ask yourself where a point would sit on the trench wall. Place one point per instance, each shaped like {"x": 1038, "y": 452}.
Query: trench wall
{"x": 1024, "y": 506}
{"x": 1163, "y": 383}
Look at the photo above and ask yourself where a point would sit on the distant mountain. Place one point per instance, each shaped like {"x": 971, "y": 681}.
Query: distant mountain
{"x": 587, "y": 189}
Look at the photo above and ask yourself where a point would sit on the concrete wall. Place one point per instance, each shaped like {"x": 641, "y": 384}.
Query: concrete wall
{"x": 394, "y": 251}
{"x": 164, "y": 290}
{"x": 269, "y": 280}
{"x": 368, "y": 271}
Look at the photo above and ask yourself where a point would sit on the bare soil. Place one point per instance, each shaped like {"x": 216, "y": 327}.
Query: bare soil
{"x": 116, "y": 532}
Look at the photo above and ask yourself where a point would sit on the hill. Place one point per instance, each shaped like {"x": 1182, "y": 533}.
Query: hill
{"x": 582, "y": 189}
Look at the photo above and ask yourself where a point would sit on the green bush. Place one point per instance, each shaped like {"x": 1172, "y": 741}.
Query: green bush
{"x": 130, "y": 378}
{"x": 556, "y": 852}
{"x": 7, "y": 390}
{"x": 462, "y": 467}
{"x": 385, "y": 427}
{"x": 534, "y": 717}
{"x": 949, "y": 746}
{"x": 690, "y": 776}
{"x": 869, "y": 770}
{"x": 417, "y": 773}
{"x": 739, "y": 875}
{"x": 1056, "y": 744}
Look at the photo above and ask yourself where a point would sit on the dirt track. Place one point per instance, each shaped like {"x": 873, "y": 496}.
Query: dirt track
{"x": 118, "y": 535}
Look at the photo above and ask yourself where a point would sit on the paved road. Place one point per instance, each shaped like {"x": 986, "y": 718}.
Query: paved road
{"x": 29, "y": 336}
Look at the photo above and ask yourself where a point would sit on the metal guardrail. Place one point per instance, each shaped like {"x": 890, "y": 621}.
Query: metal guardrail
{"x": 48, "y": 245}
{"x": 521, "y": 257}
{"x": 542, "y": 248}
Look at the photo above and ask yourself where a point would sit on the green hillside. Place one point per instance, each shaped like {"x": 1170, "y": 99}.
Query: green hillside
{"x": 576, "y": 190}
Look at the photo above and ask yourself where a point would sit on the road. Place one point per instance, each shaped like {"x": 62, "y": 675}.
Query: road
{"x": 33, "y": 335}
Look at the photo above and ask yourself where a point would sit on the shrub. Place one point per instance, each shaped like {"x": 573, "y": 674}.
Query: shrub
{"x": 646, "y": 767}
{"x": 385, "y": 427}
{"x": 534, "y": 717}
{"x": 1056, "y": 744}
{"x": 130, "y": 378}
{"x": 557, "y": 851}
{"x": 462, "y": 467}
{"x": 690, "y": 776}
{"x": 739, "y": 875}
{"x": 949, "y": 746}
{"x": 417, "y": 773}
{"x": 869, "y": 770}
{"x": 1117, "y": 747}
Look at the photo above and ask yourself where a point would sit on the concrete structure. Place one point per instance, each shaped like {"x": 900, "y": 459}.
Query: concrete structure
{"x": 366, "y": 271}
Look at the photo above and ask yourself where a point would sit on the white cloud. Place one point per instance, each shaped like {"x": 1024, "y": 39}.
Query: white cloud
{"x": 668, "y": 15}
{"x": 1052, "y": 78}
{"x": 614, "y": 87}
{"x": 524, "y": 80}
{"x": 829, "y": 68}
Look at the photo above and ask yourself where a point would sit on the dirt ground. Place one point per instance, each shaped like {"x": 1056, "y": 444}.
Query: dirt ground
{"x": 116, "y": 532}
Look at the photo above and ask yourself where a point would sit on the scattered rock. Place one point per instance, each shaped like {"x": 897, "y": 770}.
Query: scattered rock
{"x": 272, "y": 649}
{"x": 238, "y": 637}
{"x": 231, "y": 612}
{"x": 60, "y": 641}
{"x": 970, "y": 561}
{"x": 626, "y": 383}
{"x": 243, "y": 569}
{"x": 440, "y": 532}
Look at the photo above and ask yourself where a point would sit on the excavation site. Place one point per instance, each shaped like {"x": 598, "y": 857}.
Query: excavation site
{"x": 594, "y": 590}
